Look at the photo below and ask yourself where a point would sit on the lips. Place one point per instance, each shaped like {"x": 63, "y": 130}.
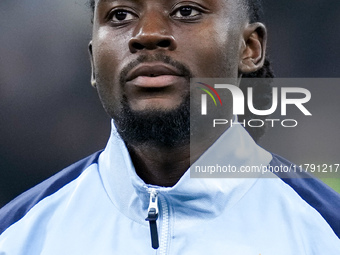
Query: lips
{"x": 155, "y": 85}
{"x": 153, "y": 75}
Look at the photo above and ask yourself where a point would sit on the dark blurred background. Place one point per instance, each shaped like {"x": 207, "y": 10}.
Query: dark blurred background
{"x": 51, "y": 117}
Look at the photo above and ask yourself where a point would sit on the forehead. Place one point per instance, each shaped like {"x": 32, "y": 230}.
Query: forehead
{"x": 238, "y": 3}
{"x": 233, "y": 8}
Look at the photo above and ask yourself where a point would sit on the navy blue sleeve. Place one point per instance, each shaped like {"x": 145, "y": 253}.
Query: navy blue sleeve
{"x": 17, "y": 208}
{"x": 317, "y": 194}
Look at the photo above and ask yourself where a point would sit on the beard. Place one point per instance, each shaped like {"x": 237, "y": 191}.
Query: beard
{"x": 164, "y": 128}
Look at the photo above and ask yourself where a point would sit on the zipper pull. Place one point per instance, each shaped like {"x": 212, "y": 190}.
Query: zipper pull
{"x": 152, "y": 217}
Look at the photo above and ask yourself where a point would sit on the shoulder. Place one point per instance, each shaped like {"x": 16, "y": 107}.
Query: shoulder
{"x": 18, "y": 208}
{"x": 313, "y": 191}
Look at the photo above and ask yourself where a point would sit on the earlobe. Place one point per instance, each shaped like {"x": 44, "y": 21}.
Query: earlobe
{"x": 93, "y": 77}
{"x": 253, "y": 48}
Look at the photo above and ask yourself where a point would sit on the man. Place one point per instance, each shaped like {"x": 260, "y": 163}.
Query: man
{"x": 136, "y": 196}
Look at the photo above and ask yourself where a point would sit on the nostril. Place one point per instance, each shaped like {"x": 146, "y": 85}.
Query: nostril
{"x": 138, "y": 46}
{"x": 164, "y": 43}
{"x": 151, "y": 42}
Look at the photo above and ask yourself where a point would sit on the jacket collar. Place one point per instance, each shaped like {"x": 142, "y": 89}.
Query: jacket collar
{"x": 194, "y": 197}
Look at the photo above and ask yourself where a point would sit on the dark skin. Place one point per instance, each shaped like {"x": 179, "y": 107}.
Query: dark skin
{"x": 205, "y": 36}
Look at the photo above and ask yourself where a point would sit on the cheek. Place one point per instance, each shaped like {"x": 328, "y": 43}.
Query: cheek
{"x": 106, "y": 63}
{"x": 212, "y": 54}
{"x": 110, "y": 50}
{"x": 107, "y": 85}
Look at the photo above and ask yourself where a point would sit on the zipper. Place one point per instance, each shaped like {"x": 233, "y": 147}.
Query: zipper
{"x": 152, "y": 217}
{"x": 165, "y": 225}
{"x": 153, "y": 213}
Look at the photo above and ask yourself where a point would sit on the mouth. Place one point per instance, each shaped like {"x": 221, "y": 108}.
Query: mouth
{"x": 155, "y": 85}
{"x": 154, "y": 75}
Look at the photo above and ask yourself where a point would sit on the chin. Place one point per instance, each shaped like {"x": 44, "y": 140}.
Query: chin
{"x": 155, "y": 123}
{"x": 155, "y": 105}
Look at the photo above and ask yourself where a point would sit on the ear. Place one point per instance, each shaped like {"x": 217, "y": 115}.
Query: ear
{"x": 93, "y": 77}
{"x": 253, "y": 48}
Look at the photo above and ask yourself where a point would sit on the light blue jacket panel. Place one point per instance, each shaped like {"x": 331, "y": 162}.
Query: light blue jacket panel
{"x": 100, "y": 208}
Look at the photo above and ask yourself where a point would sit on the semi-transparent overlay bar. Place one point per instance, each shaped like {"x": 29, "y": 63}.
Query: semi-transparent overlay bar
{"x": 239, "y": 126}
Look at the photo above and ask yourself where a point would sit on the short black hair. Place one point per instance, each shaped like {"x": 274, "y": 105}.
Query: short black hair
{"x": 255, "y": 10}
{"x": 92, "y": 4}
{"x": 262, "y": 87}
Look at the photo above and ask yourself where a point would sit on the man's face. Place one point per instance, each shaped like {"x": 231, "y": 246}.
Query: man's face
{"x": 144, "y": 52}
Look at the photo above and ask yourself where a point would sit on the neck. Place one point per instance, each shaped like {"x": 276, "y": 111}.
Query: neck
{"x": 164, "y": 166}
{"x": 158, "y": 165}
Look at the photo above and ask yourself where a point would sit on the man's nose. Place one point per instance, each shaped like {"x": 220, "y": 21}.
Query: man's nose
{"x": 153, "y": 32}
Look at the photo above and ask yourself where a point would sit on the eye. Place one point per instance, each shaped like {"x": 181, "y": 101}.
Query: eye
{"x": 186, "y": 12}
{"x": 121, "y": 15}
